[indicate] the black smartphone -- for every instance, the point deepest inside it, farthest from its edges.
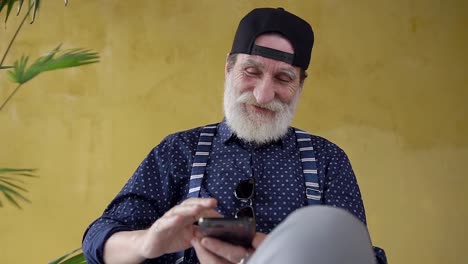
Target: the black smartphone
(237, 231)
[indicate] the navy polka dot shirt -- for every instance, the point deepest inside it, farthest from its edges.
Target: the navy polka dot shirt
(161, 182)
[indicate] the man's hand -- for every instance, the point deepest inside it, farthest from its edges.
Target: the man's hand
(170, 233)
(213, 251)
(174, 230)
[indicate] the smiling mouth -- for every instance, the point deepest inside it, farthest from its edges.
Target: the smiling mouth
(259, 110)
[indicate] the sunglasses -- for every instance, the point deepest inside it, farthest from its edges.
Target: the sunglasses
(245, 192)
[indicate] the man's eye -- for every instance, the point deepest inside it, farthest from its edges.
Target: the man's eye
(284, 78)
(251, 70)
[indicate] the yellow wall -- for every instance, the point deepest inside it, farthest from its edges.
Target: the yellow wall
(388, 83)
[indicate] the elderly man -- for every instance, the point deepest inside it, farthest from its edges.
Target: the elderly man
(194, 173)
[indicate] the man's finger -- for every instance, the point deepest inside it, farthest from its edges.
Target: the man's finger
(258, 239)
(232, 253)
(204, 255)
(206, 202)
(167, 223)
(210, 213)
(195, 204)
(191, 215)
(190, 209)
(186, 210)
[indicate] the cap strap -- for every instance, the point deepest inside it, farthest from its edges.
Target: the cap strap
(273, 54)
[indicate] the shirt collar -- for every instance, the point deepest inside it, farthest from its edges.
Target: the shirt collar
(225, 132)
(227, 135)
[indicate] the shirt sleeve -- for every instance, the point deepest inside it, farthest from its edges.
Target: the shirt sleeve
(144, 198)
(341, 188)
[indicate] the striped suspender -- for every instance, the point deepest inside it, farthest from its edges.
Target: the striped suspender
(309, 167)
(198, 171)
(202, 154)
(200, 160)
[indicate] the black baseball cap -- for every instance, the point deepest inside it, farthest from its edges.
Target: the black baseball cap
(275, 20)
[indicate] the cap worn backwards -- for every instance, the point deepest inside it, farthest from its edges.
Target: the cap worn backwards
(275, 20)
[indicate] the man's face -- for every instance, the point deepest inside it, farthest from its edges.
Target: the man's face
(261, 94)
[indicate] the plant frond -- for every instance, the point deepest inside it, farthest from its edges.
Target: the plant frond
(11, 179)
(4, 3)
(10, 191)
(12, 195)
(36, 7)
(33, 4)
(49, 62)
(9, 4)
(67, 259)
(11, 187)
(20, 4)
(15, 170)
(12, 200)
(7, 182)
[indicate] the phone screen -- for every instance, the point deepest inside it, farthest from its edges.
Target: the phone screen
(237, 231)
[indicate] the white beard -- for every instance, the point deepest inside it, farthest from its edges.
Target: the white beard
(256, 127)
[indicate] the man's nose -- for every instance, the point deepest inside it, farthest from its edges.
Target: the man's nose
(264, 92)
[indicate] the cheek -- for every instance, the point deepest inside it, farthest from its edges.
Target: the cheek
(286, 94)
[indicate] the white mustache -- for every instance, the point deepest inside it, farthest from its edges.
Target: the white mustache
(248, 98)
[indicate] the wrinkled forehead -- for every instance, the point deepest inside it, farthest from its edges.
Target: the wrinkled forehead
(266, 64)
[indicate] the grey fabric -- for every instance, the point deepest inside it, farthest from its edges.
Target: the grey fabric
(317, 235)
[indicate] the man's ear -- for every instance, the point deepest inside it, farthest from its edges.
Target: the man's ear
(226, 66)
(301, 87)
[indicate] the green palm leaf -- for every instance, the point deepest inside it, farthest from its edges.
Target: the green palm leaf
(9, 4)
(67, 59)
(11, 184)
(33, 4)
(67, 259)
(15, 171)
(36, 7)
